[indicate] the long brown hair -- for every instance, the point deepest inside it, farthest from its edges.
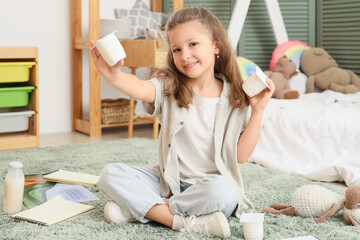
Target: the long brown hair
(177, 86)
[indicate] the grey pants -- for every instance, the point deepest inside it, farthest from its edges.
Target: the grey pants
(138, 189)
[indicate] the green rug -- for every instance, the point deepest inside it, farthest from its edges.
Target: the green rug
(263, 187)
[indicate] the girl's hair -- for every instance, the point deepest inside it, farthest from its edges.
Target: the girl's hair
(177, 86)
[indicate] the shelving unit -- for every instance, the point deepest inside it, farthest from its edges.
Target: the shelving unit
(29, 138)
(151, 54)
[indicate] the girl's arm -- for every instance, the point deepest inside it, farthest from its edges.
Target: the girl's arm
(249, 137)
(126, 83)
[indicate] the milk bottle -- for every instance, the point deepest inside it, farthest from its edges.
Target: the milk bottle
(13, 188)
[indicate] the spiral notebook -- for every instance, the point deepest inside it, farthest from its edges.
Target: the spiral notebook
(51, 212)
(70, 177)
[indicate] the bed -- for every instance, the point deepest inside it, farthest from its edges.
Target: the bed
(316, 137)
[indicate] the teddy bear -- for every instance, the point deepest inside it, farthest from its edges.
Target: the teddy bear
(323, 72)
(320, 202)
(283, 70)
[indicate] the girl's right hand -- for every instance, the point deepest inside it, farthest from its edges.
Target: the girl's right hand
(109, 73)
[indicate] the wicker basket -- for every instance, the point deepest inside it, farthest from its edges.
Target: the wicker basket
(115, 110)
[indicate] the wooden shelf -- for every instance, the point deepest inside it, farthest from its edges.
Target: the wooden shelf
(29, 138)
(140, 53)
(18, 140)
(136, 122)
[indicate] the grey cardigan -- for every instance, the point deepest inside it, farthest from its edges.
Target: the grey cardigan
(229, 124)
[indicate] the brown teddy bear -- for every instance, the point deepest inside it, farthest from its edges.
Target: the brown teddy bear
(317, 201)
(282, 72)
(323, 72)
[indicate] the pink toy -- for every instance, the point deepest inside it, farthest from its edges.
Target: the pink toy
(291, 49)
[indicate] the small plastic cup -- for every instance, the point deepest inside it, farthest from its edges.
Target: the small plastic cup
(253, 225)
(253, 85)
(110, 49)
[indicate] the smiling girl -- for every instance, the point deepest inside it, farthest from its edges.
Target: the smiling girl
(204, 134)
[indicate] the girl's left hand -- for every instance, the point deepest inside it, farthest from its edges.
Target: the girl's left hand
(259, 101)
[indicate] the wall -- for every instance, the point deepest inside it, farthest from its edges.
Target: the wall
(46, 25)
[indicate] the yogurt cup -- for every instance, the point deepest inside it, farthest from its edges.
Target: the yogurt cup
(253, 225)
(255, 83)
(110, 49)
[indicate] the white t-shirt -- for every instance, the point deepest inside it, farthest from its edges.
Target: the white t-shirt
(195, 141)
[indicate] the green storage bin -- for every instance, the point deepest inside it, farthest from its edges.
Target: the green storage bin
(15, 96)
(15, 71)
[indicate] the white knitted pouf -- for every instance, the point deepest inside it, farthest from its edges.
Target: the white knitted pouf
(315, 201)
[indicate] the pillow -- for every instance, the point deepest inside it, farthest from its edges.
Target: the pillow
(291, 49)
(142, 18)
(246, 67)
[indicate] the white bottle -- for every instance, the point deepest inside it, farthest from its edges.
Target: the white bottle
(13, 188)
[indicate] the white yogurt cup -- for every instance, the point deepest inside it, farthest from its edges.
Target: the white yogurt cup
(253, 225)
(110, 49)
(255, 83)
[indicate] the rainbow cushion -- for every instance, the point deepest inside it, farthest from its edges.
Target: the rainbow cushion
(246, 66)
(292, 49)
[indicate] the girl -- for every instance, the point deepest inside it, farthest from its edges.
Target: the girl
(202, 109)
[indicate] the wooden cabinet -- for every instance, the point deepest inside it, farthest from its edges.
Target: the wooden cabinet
(140, 53)
(29, 138)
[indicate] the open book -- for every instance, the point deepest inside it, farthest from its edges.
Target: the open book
(35, 188)
(69, 177)
(53, 211)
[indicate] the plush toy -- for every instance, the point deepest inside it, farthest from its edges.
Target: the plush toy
(283, 70)
(352, 205)
(323, 72)
(318, 201)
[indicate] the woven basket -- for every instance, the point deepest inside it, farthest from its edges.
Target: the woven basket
(115, 110)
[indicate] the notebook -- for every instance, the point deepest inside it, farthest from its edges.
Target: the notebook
(69, 177)
(54, 211)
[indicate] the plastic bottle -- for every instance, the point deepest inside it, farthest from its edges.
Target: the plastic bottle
(13, 188)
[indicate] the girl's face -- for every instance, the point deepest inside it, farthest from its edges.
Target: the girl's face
(193, 50)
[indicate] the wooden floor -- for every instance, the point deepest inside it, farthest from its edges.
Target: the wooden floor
(66, 138)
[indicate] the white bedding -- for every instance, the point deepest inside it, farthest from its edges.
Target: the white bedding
(316, 137)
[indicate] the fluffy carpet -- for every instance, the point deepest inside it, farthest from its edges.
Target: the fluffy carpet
(263, 186)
